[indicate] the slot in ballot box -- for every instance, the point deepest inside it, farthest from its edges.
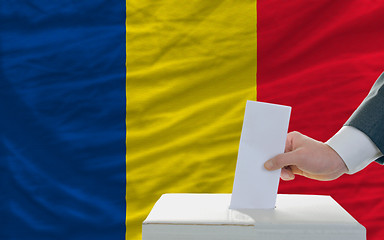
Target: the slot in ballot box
(208, 217)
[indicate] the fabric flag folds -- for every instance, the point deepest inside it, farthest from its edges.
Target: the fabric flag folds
(322, 58)
(191, 66)
(107, 105)
(62, 119)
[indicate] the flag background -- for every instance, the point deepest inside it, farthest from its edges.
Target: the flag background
(322, 58)
(62, 119)
(190, 66)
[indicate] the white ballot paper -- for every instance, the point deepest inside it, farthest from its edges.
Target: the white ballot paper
(263, 136)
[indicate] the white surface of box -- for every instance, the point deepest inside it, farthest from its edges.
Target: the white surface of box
(208, 217)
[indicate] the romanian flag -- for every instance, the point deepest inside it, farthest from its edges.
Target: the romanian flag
(107, 105)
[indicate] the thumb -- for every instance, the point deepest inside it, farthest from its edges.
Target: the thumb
(282, 160)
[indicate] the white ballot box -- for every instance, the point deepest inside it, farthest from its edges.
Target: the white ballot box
(208, 217)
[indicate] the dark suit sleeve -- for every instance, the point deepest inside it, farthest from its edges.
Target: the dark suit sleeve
(369, 116)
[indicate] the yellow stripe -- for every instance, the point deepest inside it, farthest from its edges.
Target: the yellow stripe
(191, 66)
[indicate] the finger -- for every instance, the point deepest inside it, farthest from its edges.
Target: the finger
(296, 170)
(282, 160)
(289, 141)
(319, 177)
(288, 144)
(286, 174)
(292, 139)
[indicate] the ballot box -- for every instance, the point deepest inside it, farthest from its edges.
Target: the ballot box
(208, 217)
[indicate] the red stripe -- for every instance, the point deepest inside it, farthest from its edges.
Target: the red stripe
(321, 58)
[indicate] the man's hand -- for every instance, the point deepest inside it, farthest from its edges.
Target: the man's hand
(307, 157)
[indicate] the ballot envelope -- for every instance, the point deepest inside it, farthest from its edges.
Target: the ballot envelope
(208, 217)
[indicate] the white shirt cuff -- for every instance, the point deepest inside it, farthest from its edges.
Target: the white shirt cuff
(354, 147)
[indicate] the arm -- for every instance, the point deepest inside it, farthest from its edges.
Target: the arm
(313, 159)
(369, 116)
(355, 148)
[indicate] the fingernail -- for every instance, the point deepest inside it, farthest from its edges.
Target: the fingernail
(268, 165)
(285, 175)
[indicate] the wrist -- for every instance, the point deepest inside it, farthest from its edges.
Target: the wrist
(339, 166)
(354, 147)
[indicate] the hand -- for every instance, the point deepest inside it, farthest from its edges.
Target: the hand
(307, 157)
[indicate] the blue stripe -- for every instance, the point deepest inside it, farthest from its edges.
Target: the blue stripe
(62, 119)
